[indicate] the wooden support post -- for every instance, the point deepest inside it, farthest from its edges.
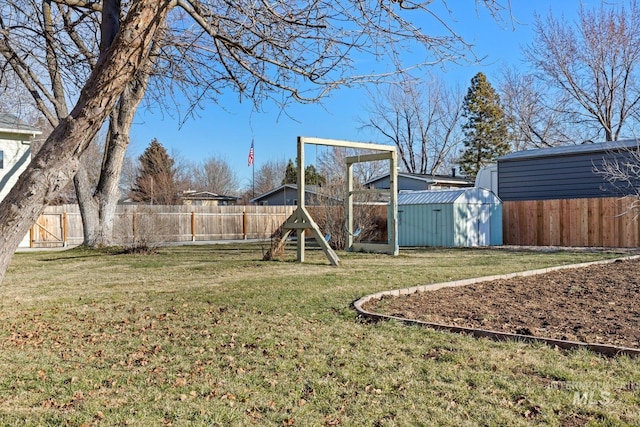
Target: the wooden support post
(193, 226)
(392, 222)
(245, 224)
(348, 208)
(133, 225)
(65, 225)
(300, 221)
(301, 198)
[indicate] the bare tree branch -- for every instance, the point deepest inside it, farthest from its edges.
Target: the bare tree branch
(595, 62)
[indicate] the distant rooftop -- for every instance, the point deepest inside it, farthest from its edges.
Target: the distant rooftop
(424, 177)
(11, 123)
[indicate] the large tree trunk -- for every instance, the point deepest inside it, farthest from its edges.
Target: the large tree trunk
(58, 160)
(98, 207)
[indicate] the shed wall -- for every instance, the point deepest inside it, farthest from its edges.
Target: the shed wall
(449, 218)
(426, 225)
(477, 224)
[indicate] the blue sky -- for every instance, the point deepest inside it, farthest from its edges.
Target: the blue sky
(228, 132)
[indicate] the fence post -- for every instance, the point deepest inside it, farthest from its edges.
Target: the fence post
(133, 224)
(31, 236)
(244, 223)
(193, 226)
(64, 230)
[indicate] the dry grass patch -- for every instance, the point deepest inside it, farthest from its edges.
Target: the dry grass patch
(211, 335)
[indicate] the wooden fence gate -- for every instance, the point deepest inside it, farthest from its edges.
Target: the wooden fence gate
(49, 231)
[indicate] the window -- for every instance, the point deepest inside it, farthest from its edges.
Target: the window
(1, 159)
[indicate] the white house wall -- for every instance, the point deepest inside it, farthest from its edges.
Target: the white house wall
(16, 157)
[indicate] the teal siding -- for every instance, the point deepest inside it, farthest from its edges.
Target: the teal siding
(496, 225)
(426, 225)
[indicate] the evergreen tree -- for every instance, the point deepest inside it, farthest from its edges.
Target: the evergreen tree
(290, 174)
(155, 181)
(311, 175)
(485, 132)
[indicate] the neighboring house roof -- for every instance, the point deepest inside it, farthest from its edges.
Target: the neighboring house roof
(309, 189)
(430, 179)
(11, 124)
(568, 150)
(207, 195)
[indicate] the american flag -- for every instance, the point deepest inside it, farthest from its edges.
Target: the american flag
(251, 154)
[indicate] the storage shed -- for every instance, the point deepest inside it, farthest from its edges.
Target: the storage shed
(462, 217)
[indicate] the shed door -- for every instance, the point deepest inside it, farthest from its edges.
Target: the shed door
(437, 227)
(481, 221)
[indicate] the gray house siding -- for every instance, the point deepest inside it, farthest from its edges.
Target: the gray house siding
(420, 182)
(287, 195)
(404, 183)
(283, 197)
(561, 173)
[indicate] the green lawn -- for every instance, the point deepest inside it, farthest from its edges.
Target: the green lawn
(212, 335)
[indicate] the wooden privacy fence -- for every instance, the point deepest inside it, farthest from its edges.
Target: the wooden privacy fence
(602, 222)
(62, 225)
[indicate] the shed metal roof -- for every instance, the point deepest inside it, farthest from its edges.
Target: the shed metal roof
(446, 196)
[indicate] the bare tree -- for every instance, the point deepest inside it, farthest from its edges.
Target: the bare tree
(421, 119)
(534, 114)
(216, 175)
(51, 50)
(129, 174)
(593, 64)
(332, 163)
(16, 100)
(268, 176)
(59, 158)
(621, 170)
(298, 51)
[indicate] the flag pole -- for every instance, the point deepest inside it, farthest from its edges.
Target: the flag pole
(253, 170)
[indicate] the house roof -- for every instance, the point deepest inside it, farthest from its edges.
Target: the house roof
(206, 195)
(444, 196)
(431, 179)
(12, 124)
(568, 150)
(309, 189)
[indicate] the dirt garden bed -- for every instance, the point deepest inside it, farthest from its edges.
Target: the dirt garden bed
(595, 304)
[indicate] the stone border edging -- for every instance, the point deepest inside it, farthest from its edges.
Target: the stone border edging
(609, 350)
